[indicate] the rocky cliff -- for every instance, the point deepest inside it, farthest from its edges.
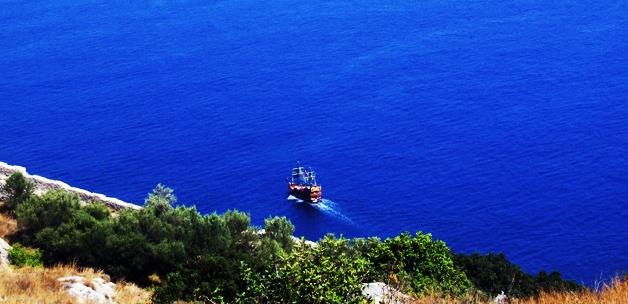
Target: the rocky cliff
(43, 184)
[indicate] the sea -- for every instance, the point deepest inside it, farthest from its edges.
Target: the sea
(496, 126)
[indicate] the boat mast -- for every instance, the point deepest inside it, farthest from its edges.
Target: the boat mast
(302, 175)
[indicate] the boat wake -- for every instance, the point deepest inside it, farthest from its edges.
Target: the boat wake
(329, 208)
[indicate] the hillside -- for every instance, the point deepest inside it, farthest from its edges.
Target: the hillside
(42, 185)
(46, 285)
(179, 254)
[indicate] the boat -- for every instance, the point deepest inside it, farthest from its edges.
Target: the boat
(302, 185)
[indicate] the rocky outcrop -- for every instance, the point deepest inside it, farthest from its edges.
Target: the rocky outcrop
(95, 290)
(501, 299)
(4, 254)
(381, 293)
(43, 184)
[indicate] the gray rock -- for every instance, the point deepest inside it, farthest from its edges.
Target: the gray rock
(501, 299)
(4, 253)
(95, 291)
(381, 293)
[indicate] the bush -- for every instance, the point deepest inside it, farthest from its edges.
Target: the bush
(199, 256)
(18, 189)
(553, 282)
(416, 263)
(22, 256)
(49, 210)
(212, 270)
(222, 258)
(326, 273)
(493, 273)
(280, 229)
(237, 222)
(161, 198)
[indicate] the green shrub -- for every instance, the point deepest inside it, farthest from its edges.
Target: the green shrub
(162, 198)
(204, 278)
(237, 222)
(211, 270)
(21, 256)
(222, 258)
(553, 282)
(493, 273)
(416, 263)
(326, 273)
(49, 210)
(280, 229)
(18, 189)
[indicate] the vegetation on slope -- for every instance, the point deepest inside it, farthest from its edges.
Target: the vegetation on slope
(8, 225)
(40, 285)
(21, 256)
(184, 255)
(615, 292)
(18, 189)
(493, 274)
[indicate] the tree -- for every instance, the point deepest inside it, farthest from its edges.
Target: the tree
(494, 273)
(49, 210)
(416, 261)
(162, 193)
(237, 222)
(18, 189)
(222, 258)
(280, 229)
(161, 197)
(325, 273)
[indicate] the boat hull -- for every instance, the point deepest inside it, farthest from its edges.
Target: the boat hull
(306, 193)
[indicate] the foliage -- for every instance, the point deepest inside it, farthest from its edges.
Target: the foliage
(161, 198)
(280, 229)
(217, 276)
(325, 273)
(50, 210)
(206, 278)
(493, 273)
(423, 264)
(611, 292)
(553, 282)
(18, 189)
(192, 257)
(21, 256)
(237, 222)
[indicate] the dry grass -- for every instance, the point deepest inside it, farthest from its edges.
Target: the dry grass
(614, 293)
(130, 293)
(8, 225)
(40, 285)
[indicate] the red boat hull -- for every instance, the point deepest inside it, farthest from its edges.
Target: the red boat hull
(307, 193)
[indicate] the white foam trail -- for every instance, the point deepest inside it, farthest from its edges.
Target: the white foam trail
(328, 207)
(293, 198)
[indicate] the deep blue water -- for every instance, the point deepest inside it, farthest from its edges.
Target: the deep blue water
(493, 125)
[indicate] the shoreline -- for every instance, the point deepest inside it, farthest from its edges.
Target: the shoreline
(43, 184)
